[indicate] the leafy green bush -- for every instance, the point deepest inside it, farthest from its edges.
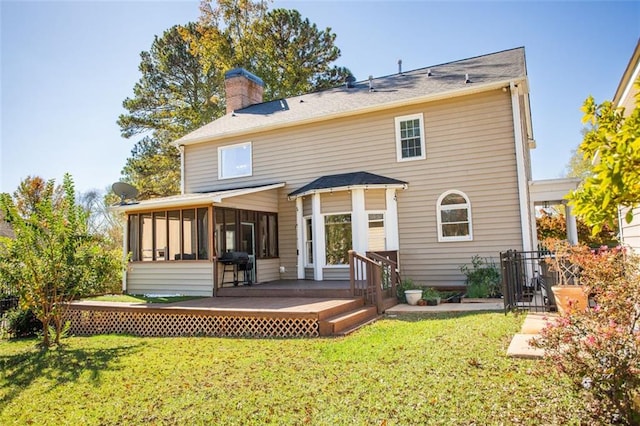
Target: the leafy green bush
(406, 284)
(21, 323)
(430, 293)
(598, 349)
(483, 278)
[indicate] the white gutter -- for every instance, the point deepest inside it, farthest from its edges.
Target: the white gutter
(349, 188)
(525, 217)
(181, 149)
(468, 90)
(192, 199)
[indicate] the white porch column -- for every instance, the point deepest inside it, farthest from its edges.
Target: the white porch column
(523, 188)
(359, 222)
(392, 239)
(300, 236)
(181, 149)
(317, 223)
(572, 227)
(125, 240)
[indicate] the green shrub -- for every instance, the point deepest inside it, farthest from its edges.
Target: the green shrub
(598, 349)
(21, 323)
(430, 293)
(483, 278)
(406, 284)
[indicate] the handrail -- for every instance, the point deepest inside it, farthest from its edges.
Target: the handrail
(391, 274)
(372, 278)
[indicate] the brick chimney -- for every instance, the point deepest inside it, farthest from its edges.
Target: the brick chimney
(242, 89)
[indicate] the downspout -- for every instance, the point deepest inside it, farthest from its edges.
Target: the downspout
(523, 193)
(125, 254)
(181, 149)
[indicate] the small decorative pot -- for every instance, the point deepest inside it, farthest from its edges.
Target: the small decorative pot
(413, 296)
(433, 302)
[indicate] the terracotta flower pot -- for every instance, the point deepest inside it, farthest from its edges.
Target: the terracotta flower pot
(570, 297)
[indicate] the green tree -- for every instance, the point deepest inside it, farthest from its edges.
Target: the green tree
(154, 167)
(612, 145)
(182, 82)
(31, 191)
(579, 166)
(552, 224)
(290, 54)
(173, 96)
(53, 259)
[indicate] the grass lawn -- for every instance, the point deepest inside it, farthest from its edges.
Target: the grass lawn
(440, 370)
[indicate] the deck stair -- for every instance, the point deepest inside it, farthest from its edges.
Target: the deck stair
(346, 319)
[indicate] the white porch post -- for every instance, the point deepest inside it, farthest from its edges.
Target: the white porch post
(359, 222)
(317, 223)
(392, 239)
(125, 240)
(523, 189)
(181, 149)
(300, 235)
(572, 227)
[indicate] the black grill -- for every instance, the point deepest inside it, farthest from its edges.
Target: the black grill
(235, 261)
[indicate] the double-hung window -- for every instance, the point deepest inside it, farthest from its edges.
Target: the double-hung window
(410, 141)
(337, 229)
(454, 217)
(234, 161)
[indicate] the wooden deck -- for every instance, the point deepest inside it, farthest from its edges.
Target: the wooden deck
(224, 317)
(296, 308)
(289, 288)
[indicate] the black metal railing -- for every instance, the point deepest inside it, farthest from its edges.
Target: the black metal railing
(527, 280)
(8, 297)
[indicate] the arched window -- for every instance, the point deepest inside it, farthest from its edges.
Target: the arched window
(454, 217)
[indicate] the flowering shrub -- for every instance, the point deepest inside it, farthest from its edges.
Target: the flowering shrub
(599, 349)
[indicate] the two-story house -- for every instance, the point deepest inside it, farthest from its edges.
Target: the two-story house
(432, 165)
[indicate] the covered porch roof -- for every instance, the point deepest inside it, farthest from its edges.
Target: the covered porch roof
(552, 191)
(347, 181)
(186, 200)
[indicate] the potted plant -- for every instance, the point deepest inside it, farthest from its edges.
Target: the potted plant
(431, 296)
(408, 292)
(568, 293)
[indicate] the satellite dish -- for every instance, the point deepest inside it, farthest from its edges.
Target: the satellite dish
(124, 191)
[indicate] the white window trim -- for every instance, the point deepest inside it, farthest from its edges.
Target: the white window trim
(237, 145)
(324, 215)
(467, 205)
(384, 225)
(305, 239)
(398, 120)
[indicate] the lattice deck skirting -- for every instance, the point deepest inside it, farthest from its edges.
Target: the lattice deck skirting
(140, 322)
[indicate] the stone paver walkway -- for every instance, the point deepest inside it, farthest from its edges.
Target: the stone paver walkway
(531, 327)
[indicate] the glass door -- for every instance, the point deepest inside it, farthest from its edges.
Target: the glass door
(248, 244)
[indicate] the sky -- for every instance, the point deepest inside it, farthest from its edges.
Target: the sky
(66, 67)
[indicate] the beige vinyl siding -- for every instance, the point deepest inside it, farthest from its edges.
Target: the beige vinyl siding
(264, 201)
(287, 238)
(335, 202)
(267, 270)
(469, 147)
(631, 231)
(307, 210)
(335, 274)
(308, 273)
(185, 278)
(375, 199)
